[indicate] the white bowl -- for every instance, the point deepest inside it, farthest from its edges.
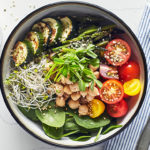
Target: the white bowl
(78, 9)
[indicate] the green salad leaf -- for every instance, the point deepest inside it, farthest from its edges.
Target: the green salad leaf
(71, 125)
(110, 128)
(55, 133)
(54, 116)
(98, 134)
(71, 132)
(29, 113)
(80, 137)
(90, 123)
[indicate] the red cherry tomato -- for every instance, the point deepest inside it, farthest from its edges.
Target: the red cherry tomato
(118, 52)
(108, 72)
(112, 91)
(117, 110)
(129, 71)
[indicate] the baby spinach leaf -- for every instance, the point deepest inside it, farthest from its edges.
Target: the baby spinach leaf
(110, 128)
(90, 123)
(29, 113)
(70, 126)
(54, 117)
(55, 133)
(80, 137)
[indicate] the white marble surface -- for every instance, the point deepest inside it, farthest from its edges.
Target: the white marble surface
(12, 136)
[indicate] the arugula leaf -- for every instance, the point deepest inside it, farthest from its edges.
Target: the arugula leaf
(92, 85)
(91, 54)
(99, 83)
(81, 85)
(55, 133)
(94, 62)
(87, 71)
(64, 71)
(59, 61)
(84, 60)
(50, 71)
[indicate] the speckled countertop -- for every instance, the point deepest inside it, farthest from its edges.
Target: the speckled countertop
(12, 136)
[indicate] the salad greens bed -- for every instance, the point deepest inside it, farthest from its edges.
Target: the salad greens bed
(58, 123)
(74, 46)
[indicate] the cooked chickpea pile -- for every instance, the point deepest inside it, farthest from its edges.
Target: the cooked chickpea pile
(69, 92)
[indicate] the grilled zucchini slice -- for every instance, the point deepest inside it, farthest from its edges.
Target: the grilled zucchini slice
(56, 28)
(67, 28)
(37, 41)
(44, 29)
(21, 53)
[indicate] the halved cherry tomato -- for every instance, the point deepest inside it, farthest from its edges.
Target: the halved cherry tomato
(117, 110)
(112, 91)
(132, 87)
(129, 71)
(118, 52)
(108, 72)
(97, 107)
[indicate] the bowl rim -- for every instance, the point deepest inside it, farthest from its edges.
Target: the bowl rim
(48, 6)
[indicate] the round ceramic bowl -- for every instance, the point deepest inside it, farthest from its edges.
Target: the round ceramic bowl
(73, 9)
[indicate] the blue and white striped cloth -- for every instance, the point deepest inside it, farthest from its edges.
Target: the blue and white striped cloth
(128, 139)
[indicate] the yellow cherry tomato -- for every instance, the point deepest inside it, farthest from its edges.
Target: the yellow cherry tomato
(132, 87)
(97, 107)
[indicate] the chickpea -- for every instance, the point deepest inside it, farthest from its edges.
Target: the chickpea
(89, 97)
(93, 68)
(75, 96)
(59, 89)
(67, 90)
(97, 74)
(65, 80)
(83, 100)
(73, 104)
(74, 87)
(66, 96)
(60, 102)
(84, 93)
(83, 110)
(93, 92)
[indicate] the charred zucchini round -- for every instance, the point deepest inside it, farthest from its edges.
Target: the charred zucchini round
(37, 41)
(21, 53)
(68, 29)
(44, 29)
(56, 28)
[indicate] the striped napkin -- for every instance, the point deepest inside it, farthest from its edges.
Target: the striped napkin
(128, 139)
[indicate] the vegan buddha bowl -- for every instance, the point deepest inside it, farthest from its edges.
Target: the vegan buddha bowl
(73, 78)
